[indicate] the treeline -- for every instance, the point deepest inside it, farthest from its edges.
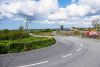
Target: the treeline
(40, 31)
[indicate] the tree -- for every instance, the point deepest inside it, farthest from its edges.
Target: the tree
(96, 24)
(73, 27)
(98, 27)
(62, 27)
(5, 31)
(21, 28)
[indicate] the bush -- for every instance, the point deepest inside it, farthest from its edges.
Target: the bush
(5, 31)
(76, 32)
(3, 48)
(13, 35)
(8, 46)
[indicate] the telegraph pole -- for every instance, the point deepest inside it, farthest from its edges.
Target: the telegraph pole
(0, 20)
(27, 21)
(0, 17)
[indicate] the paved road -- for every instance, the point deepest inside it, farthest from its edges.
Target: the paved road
(67, 52)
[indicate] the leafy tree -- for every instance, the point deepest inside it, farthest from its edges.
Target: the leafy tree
(21, 28)
(5, 31)
(62, 27)
(96, 24)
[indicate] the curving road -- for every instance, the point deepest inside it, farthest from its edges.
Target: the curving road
(67, 52)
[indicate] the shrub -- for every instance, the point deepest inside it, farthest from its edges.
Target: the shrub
(76, 32)
(8, 46)
(3, 48)
(5, 31)
(13, 35)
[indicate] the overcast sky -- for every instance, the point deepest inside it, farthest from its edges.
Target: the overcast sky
(48, 13)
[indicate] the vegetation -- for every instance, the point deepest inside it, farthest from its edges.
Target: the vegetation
(21, 28)
(46, 32)
(12, 41)
(11, 46)
(96, 24)
(61, 27)
(76, 32)
(12, 35)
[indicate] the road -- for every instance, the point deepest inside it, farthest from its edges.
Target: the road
(69, 51)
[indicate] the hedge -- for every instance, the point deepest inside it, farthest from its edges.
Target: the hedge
(26, 44)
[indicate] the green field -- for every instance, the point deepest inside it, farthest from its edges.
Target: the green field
(46, 32)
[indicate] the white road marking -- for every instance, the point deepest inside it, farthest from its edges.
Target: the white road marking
(34, 64)
(81, 46)
(79, 49)
(66, 55)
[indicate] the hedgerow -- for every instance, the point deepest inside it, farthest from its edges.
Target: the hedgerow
(26, 44)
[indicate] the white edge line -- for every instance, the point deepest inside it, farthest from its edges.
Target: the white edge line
(79, 49)
(66, 55)
(34, 64)
(81, 45)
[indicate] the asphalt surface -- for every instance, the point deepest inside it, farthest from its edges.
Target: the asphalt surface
(67, 52)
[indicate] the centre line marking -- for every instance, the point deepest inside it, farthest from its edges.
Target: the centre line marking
(34, 64)
(66, 55)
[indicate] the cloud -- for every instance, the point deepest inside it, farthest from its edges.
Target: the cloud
(15, 7)
(44, 8)
(47, 6)
(48, 11)
(58, 16)
(77, 10)
(94, 4)
(71, 13)
(30, 8)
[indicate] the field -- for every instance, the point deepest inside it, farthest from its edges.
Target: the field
(46, 32)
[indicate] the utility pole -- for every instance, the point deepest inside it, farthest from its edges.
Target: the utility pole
(0, 17)
(26, 27)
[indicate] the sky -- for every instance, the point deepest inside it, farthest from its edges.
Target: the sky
(44, 14)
